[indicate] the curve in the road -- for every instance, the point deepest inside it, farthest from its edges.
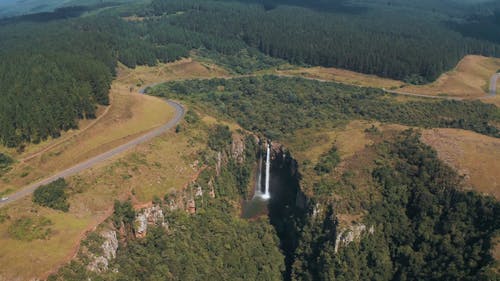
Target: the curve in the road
(179, 113)
(493, 83)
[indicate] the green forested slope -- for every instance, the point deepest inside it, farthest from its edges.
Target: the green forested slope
(212, 245)
(209, 246)
(278, 106)
(54, 73)
(425, 227)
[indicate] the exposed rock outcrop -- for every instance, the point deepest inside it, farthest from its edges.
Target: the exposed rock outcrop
(110, 245)
(350, 234)
(191, 206)
(212, 189)
(100, 263)
(218, 166)
(238, 149)
(149, 216)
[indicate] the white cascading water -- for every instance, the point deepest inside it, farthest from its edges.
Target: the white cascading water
(267, 194)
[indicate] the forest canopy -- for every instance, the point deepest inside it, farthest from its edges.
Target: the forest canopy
(278, 106)
(54, 73)
(425, 227)
(382, 39)
(57, 67)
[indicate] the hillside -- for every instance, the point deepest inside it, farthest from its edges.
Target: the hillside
(470, 79)
(473, 156)
(264, 140)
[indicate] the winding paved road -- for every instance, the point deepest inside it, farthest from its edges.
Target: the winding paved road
(179, 114)
(493, 83)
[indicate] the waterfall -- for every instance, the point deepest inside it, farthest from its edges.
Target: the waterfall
(258, 185)
(267, 194)
(259, 193)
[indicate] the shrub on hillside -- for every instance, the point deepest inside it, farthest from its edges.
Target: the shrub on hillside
(5, 162)
(327, 162)
(219, 137)
(52, 195)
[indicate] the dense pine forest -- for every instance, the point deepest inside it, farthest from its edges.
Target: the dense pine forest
(57, 66)
(53, 74)
(389, 42)
(44, 91)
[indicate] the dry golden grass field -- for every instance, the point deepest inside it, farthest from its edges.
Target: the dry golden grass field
(354, 146)
(470, 79)
(310, 144)
(473, 155)
(342, 76)
(350, 140)
(165, 164)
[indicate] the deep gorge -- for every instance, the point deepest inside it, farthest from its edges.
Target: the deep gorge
(287, 208)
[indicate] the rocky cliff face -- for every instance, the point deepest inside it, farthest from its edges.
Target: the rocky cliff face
(149, 216)
(350, 234)
(281, 157)
(186, 199)
(100, 263)
(238, 149)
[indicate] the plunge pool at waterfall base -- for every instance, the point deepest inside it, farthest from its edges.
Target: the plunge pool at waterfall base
(283, 186)
(283, 189)
(254, 208)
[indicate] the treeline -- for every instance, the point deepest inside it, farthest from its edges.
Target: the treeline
(54, 73)
(277, 106)
(425, 228)
(379, 39)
